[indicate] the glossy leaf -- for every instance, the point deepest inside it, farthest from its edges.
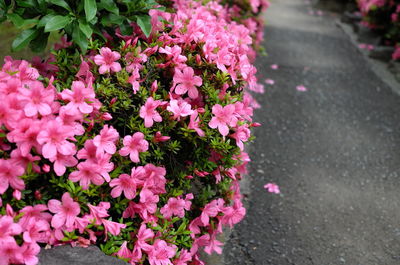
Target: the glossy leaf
(56, 23)
(24, 38)
(90, 9)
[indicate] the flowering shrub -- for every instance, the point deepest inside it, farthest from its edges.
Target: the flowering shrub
(138, 146)
(383, 16)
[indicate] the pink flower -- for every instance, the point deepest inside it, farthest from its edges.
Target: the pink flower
(9, 252)
(88, 172)
(213, 245)
(36, 231)
(155, 178)
(143, 235)
(158, 137)
(107, 61)
(175, 206)
(223, 116)
(25, 135)
(242, 134)
(133, 145)
(195, 122)
(301, 88)
(61, 162)
(54, 137)
(124, 183)
(274, 66)
(211, 210)
(10, 176)
(65, 211)
(124, 251)
(273, 188)
(36, 212)
(37, 99)
(28, 254)
(179, 109)
(233, 214)
(106, 140)
(113, 228)
(8, 229)
(161, 253)
(148, 112)
(186, 81)
(174, 53)
(79, 96)
(97, 213)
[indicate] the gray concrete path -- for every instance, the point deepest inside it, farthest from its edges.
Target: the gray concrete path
(334, 150)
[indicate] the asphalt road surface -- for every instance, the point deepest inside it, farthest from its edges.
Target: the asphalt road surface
(334, 150)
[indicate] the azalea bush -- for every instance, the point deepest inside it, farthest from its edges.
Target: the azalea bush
(136, 146)
(383, 16)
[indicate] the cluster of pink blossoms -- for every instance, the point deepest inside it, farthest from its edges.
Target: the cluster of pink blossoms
(383, 15)
(41, 131)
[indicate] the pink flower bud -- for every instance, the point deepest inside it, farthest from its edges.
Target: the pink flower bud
(17, 195)
(46, 168)
(255, 124)
(189, 176)
(112, 102)
(106, 116)
(154, 87)
(201, 110)
(38, 195)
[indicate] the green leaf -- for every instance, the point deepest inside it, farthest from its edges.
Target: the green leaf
(112, 19)
(24, 38)
(126, 29)
(40, 42)
(61, 3)
(144, 22)
(56, 23)
(80, 38)
(43, 21)
(20, 22)
(26, 3)
(90, 9)
(109, 5)
(86, 29)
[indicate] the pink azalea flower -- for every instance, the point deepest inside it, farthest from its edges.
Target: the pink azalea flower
(233, 214)
(194, 123)
(37, 99)
(155, 178)
(144, 234)
(133, 145)
(36, 231)
(10, 176)
(148, 112)
(65, 211)
(97, 213)
(113, 228)
(174, 53)
(54, 137)
(186, 81)
(25, 135)
(242, 134)
(107, 61)
(149, 200)
(211, 210)
(61, 162)
(184, 258)
(213, 245)
(10, 252)
(88, 172)
(124, 183)
(223, 116)
(179, 109)
(174, 206)
(301, 88)
(79, 96)
(36, 212)
(161, 253)
(23, 161)
(28, 254)
(273, 188)
(106, 140)
(8, 229)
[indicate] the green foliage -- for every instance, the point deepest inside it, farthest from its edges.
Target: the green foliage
(80, 20)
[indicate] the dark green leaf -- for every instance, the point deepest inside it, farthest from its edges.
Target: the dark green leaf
(80, 39)
(90, 9)
(40, 42)
(86, 29)
(61, 3)
(18, 21)
(109, 5)
(26, 3)
(43, 21)
(144, 22)
(112, 19)
(24, 38)
(56, 23)
(126, 29)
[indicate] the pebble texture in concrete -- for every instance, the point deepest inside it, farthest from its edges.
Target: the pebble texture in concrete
(334, 150)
